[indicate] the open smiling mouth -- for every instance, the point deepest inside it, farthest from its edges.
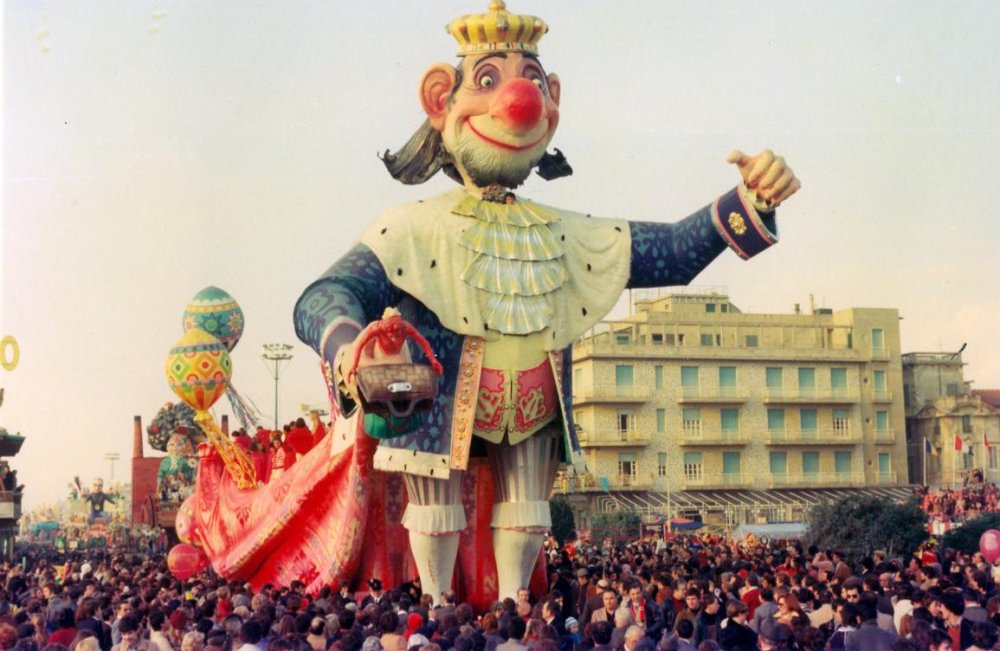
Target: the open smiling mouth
(504, 145)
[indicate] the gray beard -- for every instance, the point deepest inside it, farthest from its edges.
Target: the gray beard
(486, 166)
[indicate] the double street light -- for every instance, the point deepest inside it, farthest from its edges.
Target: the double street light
(276, 358)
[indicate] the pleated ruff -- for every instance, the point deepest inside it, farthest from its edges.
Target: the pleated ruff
(516, 277)
(519, 213)
(435, 505)
(508, 242)
(518, 262)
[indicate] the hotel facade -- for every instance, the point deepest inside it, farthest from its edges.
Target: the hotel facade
(691, 406)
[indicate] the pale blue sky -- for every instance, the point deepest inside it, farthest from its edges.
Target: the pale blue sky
(154, 148)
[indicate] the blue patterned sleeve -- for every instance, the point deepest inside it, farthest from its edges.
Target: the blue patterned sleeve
(350, 295)
(673, 254)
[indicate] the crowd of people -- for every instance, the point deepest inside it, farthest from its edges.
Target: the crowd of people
(960, 504)
(688, 593)
(275, 451)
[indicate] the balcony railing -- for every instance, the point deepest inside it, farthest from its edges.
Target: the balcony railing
(886, 478)
(821, 436)
(590, 483)
(880, 354)
(712, 394)
(613, 394)
(614, 438)
(881, 395)
(718, 480)
(885, 436)
(810, 395)
(791, 480)
(712, 436)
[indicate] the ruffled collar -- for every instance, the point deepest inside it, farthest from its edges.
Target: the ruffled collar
(517, 262)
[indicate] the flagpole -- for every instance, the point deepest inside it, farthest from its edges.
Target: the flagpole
(926, 483)
(954, 465)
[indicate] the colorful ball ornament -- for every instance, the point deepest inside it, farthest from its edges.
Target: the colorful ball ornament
(184, 523)
(217, 313)
(989, 545)
(198, 369)
(184, 561)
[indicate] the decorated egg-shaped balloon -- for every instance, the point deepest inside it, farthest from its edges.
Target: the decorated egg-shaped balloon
(184, 561)
(198, 369)
(217, 313)
(184, 524)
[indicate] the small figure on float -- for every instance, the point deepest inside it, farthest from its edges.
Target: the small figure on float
(501, 287)
(175, 477)
(96, 497)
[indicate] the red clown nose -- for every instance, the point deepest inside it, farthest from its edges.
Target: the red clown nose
(519, 105)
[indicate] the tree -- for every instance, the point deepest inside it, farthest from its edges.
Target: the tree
(563, 524)
(966, 538)
(617, 526)
(860, 524)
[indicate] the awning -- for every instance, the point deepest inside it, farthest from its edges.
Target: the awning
(720, 500)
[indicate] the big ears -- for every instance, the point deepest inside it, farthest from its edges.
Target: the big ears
(435, 92)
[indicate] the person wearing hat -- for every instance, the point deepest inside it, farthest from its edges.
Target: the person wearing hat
(774, 636)
(375, 593)
(585, 589)
(503, 286)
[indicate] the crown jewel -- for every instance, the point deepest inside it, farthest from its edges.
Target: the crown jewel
(497, 30)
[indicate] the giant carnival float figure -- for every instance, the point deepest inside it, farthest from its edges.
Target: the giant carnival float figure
(497, 288)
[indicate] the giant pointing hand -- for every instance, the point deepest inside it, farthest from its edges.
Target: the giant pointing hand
(767, 175)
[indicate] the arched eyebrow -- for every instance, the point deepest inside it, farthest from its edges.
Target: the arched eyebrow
(502, 55)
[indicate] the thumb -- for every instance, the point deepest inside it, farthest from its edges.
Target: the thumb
(738, 157)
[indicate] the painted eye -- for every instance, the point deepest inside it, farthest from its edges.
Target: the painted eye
(540, 83)
(487, 81)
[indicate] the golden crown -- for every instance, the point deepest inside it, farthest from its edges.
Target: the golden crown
(498, 30)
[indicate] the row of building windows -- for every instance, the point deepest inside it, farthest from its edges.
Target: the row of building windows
(732, 463)
(965, 424)
(773, 377)
(714, 339)
(729, 420)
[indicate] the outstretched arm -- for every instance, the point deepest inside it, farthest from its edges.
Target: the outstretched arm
(742, 219)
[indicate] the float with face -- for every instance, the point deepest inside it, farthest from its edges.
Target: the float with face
(499, 287)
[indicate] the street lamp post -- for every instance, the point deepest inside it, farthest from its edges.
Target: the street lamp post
(112, 457)
(276, 357)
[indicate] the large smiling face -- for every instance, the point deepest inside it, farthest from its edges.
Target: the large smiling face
(498, 121)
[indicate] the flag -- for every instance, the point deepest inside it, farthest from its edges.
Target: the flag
(959, 444)
(928, 448)
(986, 442)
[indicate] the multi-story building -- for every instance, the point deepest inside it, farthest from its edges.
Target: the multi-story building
(691, 396)
(951, 429)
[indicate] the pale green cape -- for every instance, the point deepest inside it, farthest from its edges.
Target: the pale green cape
(530, 269)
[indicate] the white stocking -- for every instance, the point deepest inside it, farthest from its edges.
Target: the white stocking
(434, 517)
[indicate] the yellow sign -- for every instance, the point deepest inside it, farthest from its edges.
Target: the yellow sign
(9, 353)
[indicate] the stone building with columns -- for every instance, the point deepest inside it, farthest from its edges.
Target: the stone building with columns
(953, 430)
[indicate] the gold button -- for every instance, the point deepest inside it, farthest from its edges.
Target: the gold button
(737, 223)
